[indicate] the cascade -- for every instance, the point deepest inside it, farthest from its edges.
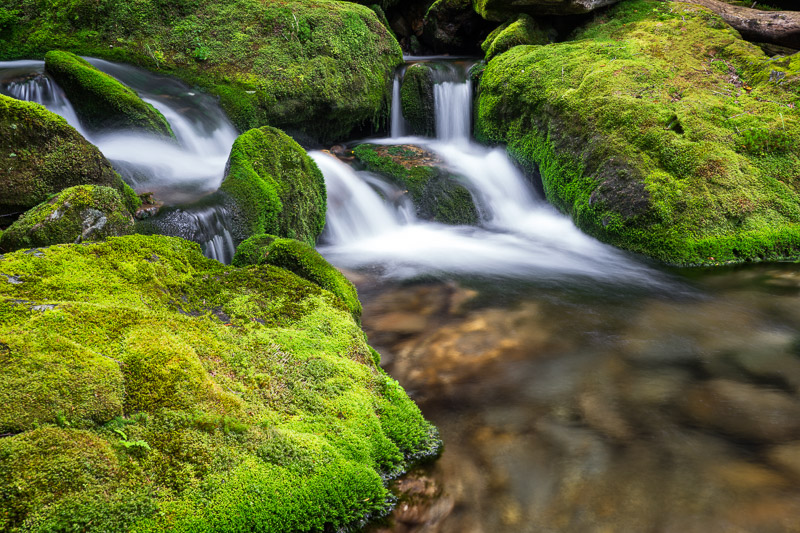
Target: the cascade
(398, 122)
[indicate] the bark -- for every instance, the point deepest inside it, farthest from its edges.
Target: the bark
(776, 27)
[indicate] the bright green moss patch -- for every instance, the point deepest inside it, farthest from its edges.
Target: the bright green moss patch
(522, 30)
(416, 99)
(201, 397)
(274, 187)
(79, 214)
(316, 69)
(436, 193)
(659, 130)
(40, 154)
(301, 259)
(101, 102)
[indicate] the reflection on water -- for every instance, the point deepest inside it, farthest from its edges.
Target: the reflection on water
(601, 412)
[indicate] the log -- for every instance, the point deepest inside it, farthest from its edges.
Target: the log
(776, 27)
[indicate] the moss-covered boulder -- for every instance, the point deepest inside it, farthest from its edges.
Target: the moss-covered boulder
(416, 99)
(83, 213)
(274, 187)
(303, 260)
(40, 155)
(521, 30)
(500, 10)
(319, 70)
(147, 388)
(658, 130)
(100, 101)
(436, 193)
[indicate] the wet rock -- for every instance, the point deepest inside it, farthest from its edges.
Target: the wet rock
(769, 356)
(744, 410)
(452, 26)
(786, 458)
(416, 98)
(600, 413)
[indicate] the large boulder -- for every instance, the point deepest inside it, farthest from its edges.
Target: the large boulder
(148, 388)
(416, 99)
(452, 26)
(100, 101)
(319, 69)
(84, 213)
(303, 260)
(501, 10)
(273, 187)
(436, 192)
(521, 30)
(660, 131)
(41, 155)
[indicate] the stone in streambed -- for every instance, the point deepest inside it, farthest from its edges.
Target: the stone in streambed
(416, 99)
(100, 101)
(436, 192)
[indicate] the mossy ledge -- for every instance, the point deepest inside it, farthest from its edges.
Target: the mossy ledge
(319, 70)
(41, 154)
(272, 186)
(303, 260)
(658, 130)
(435, 192)
(147, 388)
(101, 102)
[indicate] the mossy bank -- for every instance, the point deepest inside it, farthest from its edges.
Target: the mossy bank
(658, 129)
(147, 388)
(316, 69)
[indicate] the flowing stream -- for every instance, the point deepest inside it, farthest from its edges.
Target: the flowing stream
(578, 388)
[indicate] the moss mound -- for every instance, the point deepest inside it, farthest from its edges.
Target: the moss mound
(659, 130)
(317, 69)
(41, 155)
(416, 99)
(522, 30)
(100, 101)
(79, 214)
(202, 397)
(274, 187)
(301, 259)
(436, 193)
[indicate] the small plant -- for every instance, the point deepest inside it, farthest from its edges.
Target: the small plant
(137, 448)
(201, 52)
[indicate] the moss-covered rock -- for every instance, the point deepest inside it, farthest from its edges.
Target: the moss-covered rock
(79, 214)
(436, 193)
(522, 30)
(274, 187)
(659, 130)
(416, 99)
(301, 259)
(40, 155)
(100, 101)
(319, 70)
(201, 397)
(500, 10)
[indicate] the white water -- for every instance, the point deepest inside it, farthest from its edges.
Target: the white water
(181, 172)
(453, 105)
(398, 124)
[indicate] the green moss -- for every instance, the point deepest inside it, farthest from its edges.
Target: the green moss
(416, 99)
(301, 259)
(319, 70)
(238, 399)
(41, 155)
(523, 30)
(274, 187)
(79, 214)
(101, 102)
(436, 193)
(658, 130)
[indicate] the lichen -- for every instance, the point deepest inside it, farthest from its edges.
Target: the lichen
(206, 397)
(658, 130)
(274, 187)
(101, 102)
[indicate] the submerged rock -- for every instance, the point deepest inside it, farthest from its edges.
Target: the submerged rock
(274, 187)
(659, 131)
(100, 101)
(416, 99)
(301, 259)
(436, 193)
(40, 155)
(84, 213)
(317, 69)
(166, 391)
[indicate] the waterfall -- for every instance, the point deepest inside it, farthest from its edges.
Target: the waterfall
(453, 104)
(398, 122)
(40, 89)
